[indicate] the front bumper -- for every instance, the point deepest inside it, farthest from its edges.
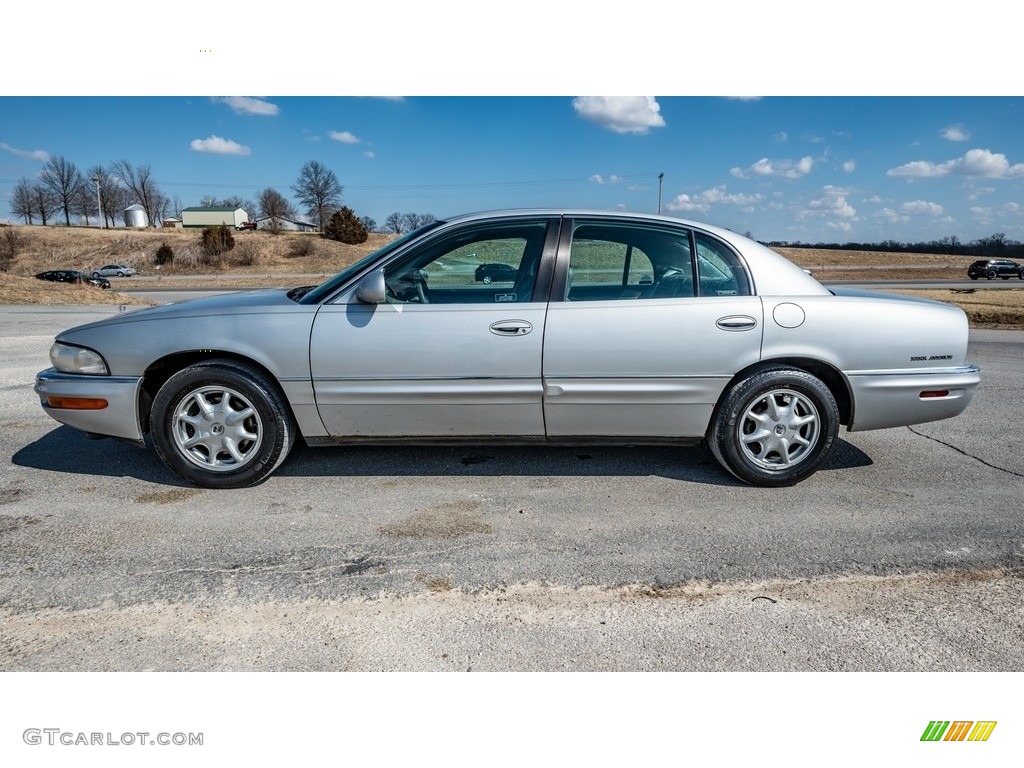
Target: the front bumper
(884, 399)
(120, 417)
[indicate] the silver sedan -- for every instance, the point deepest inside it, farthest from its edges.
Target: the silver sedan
(114, 270)
(613, 328)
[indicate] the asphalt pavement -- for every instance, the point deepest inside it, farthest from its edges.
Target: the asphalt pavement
(904, 553)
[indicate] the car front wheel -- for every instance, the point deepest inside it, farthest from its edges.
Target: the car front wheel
(775, 428)
(991, 274)
(222, 424)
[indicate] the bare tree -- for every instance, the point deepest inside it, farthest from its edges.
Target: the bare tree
(368, 223)
(109, 192)
(234, 201)
(275, 207)
(393, 223)
(410, 221)
(139, 181)
(176, 207)
(160, 205)
(318, 189)
(43, 202)
(84, 203)
(22, 203)
(64, 181)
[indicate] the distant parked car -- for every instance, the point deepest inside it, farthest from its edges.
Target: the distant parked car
(993, 268)
(496, 273)
(73, 276)
(119, 270)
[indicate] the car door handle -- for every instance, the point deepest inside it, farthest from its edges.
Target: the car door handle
(736, 323)
(511, 328)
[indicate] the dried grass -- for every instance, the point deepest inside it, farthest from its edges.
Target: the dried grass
(28, 290)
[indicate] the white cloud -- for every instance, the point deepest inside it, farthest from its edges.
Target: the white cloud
(850, 166)
(599, 179)
(955, 133)
(36, 154)
(714, 196)
(872, 199)
(218, 146)
(787, 169)
(833, 204)
(744, 98)
(369, 154)
(247, 105)
(1012, 207)
(979, 209)
(890, 215)
(345, 137)
(622, 114)
(922, 207)
(975, 162)
(842, 226)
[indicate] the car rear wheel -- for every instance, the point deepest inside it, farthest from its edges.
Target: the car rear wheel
(1020, 275)
(775, 428)
(96, 274)
(222, 424)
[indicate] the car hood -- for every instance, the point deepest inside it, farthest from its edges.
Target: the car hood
(260, 302)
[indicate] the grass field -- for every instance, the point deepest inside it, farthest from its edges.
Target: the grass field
(258, 257)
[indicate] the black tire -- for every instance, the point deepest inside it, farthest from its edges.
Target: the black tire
(1020, 275)
(96, 274)
(808, 411)
(120, 274)
(991, 274)
(487, 280)
(973, 277)
(197, 447)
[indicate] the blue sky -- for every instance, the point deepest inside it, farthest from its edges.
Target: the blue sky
(782, 168)
(867, 130)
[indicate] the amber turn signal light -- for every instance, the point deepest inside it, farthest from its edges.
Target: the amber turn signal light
(77, 403)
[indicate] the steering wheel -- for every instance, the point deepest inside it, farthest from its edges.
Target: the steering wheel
(410, 288)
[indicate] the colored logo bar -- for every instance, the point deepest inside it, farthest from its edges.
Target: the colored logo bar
(958, 730)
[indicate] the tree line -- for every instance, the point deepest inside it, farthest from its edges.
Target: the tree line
(63, 191)
(996, 246)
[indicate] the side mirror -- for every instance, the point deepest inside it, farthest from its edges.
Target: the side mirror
(371, 288)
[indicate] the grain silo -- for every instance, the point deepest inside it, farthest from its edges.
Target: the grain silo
(135, 216)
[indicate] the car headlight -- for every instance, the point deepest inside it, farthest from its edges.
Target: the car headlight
(69, 359)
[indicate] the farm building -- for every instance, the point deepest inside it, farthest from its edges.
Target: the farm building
(287, 225)
(212, 217)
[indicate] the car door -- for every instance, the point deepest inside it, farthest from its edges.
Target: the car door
(649, 325)
(445, 355)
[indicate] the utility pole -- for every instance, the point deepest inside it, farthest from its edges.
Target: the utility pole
(660, 177)
(99, 202)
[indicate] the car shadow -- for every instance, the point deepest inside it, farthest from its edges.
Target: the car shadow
(67, 450)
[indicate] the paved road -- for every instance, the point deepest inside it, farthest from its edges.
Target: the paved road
(905, 552)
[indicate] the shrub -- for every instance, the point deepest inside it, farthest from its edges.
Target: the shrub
(217, 241)
(248, 253)
(346, 228)
(9, 245)
(303, 245)
(164, 254)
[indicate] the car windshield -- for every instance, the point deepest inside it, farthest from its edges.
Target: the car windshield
(322, 291)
